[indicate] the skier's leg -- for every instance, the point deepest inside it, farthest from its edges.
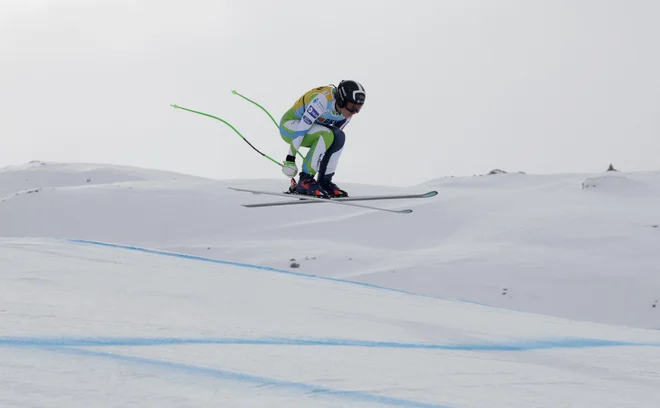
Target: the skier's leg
(317, 139)
(331, 158)
(329, 165)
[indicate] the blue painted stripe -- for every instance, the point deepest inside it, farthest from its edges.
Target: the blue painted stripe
(243, 265)
(63, 344)
(315, 390)
(519, 345)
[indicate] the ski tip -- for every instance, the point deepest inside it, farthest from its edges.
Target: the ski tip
(430, 194)
(407, 211)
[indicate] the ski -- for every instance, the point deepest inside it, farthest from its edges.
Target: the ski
(344, 199)
(324, 200)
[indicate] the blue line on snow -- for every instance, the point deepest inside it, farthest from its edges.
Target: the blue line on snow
(522, 345)
(241, 265)
(316, 390)
(63, 344)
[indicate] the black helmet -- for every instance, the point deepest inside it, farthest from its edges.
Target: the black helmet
(350, 92)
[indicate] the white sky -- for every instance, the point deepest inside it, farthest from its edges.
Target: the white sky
(453, 87)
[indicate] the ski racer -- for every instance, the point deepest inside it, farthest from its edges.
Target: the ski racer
(316, 121)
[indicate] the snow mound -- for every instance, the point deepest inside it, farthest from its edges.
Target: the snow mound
(38, 175)
(526, 242)
(626, 183)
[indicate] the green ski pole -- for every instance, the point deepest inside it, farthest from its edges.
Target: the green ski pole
(233, 128)
(262, 108)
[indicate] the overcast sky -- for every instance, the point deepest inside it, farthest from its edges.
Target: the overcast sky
(454, 87)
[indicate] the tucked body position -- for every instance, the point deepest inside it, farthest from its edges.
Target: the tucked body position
(317, 121)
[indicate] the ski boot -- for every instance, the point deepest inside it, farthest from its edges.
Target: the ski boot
(331, 188)
(308, 186)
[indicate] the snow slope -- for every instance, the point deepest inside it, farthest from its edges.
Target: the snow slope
(101, 325)
(131, 287)
(575, 246)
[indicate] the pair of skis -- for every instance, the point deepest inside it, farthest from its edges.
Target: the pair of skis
(348, 201)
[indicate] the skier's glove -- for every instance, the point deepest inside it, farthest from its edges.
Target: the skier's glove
(289, 167)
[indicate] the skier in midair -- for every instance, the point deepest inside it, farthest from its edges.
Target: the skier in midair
(316, 121)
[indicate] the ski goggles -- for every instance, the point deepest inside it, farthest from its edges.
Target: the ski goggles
(353, 107)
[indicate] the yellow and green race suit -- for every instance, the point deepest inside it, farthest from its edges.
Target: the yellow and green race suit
(314, 122)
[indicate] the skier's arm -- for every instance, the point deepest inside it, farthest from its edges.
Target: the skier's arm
(316, 107)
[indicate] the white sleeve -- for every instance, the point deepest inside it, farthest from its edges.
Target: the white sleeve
(316, 107)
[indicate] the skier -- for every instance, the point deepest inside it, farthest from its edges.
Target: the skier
(317, 120)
